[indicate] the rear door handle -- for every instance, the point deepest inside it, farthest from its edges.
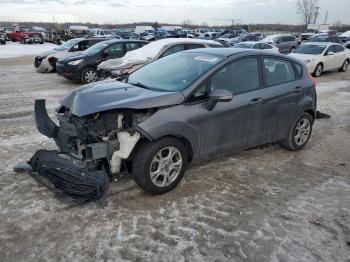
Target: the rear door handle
(256, 100)
(297, 89)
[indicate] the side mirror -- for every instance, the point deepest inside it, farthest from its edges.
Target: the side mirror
(219, 95)
(330, 53)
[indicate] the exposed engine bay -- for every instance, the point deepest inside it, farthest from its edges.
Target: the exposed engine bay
(91, 149)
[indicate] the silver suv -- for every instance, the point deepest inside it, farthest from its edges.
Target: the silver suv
(285, 43)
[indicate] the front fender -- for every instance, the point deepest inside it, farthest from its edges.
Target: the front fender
(178, 121)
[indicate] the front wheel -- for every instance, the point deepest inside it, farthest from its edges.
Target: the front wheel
(160, 165)
(345, 66)
(300, 133)
(89, 75)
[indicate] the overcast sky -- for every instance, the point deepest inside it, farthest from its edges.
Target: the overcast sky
(213, 12)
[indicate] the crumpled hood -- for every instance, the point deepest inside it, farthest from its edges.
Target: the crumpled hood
(111, 94)
(121, 63)
(64, 54)
(49, 52)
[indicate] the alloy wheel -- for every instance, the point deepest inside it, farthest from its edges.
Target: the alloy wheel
(90, 76)
(345, 65)
(166, 166)
(302, 131)
(319, 70)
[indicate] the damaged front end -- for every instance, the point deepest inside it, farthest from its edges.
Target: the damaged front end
(91, 149)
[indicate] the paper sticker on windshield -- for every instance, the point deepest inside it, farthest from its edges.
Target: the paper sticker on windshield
(204, 58)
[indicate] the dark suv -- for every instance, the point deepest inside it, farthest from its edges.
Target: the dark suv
(82, 67)
(181, 108)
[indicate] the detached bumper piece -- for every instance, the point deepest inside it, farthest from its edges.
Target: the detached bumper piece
(69, 182)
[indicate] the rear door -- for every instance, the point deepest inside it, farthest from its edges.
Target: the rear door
(330, 58)
(283, 91)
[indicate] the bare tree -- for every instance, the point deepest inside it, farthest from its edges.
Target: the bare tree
(307, 9)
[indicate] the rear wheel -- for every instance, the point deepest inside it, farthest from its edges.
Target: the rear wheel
(160, 165)
(300, 133)
(89, 75)
(345, 66)
(318, 70)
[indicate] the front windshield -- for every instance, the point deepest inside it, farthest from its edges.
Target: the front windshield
(175, 72)
(95, 48)
(67, 44)
(243, 45)
(310, 49)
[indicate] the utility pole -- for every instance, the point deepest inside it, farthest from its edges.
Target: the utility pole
(325, 19)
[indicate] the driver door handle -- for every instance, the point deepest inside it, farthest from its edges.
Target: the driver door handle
(256, 101)
(297, 89)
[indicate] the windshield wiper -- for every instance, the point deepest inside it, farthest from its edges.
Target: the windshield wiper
(140, 85)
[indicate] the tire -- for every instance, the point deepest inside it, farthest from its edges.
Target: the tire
(153, 156)
(299, 135)
(89, 75)
(345, 66)
(318, 70)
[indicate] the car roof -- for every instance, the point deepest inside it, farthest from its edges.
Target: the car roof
(321, 43)
(112, 41)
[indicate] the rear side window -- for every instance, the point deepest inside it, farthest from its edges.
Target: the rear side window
(239, 77)
(193, 46)
(338, 48)
(172, 50)
(277, 71)
(131, 46)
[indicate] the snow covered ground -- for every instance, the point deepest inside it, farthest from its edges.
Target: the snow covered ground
(15, 49)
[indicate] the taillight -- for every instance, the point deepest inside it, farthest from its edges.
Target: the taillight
(311, 78)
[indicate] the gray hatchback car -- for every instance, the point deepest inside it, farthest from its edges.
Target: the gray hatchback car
(285, 43)
(182, 108)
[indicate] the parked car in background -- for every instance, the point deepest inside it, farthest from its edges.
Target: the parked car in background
(328, 32)
(2, 38)
(257, 45)
(182, 108)
(326, 38)
(83, 67)
(284, 43)
(33, 38)
(307, 34)
(46, 62)
(209, 35)
(345, 37)
(347, 44)
(106, 33)
(244, 38)
(20, 32)
(120, 67)
(7, 30)
(224, 39)
(322, 57)
(59, 35)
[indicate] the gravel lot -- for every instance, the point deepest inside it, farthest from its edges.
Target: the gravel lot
(265, 204)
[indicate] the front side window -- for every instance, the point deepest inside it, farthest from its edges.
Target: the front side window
(278, 71)
(193, 46)
(115, 50)
(174, 73)
(238, 77)
(172, 50)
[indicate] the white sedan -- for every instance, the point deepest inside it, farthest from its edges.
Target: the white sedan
(257, 45)
(321, 57)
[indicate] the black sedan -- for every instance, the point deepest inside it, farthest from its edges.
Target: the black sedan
(82, 67)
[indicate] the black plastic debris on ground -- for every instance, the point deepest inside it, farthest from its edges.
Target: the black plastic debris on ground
(68, 182)
(320, 115)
